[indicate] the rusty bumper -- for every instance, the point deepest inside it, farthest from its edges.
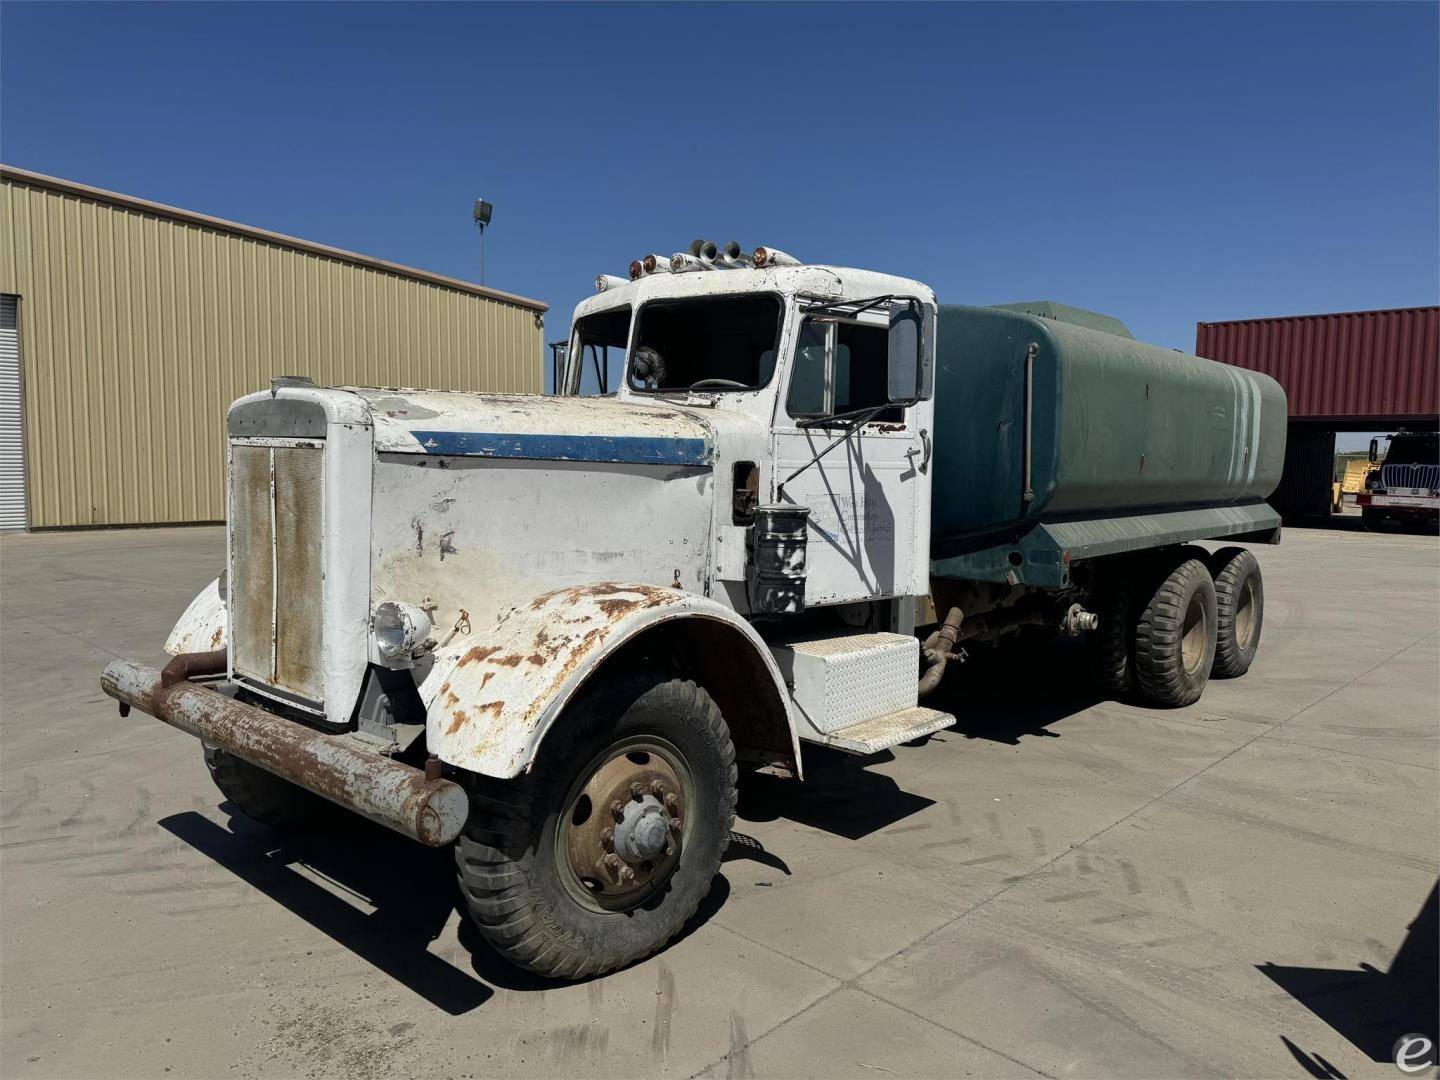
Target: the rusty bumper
(333, 766)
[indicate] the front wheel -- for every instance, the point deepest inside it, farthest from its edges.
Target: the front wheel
(260, 794)
(599, 854)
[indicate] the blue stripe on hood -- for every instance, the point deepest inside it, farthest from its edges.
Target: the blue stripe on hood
(618, 448)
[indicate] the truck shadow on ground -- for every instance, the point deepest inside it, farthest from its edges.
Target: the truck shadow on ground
(1372, 1008)
(1020, 688)
(385, 898)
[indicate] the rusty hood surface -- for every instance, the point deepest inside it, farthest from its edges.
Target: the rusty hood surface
(537, 428)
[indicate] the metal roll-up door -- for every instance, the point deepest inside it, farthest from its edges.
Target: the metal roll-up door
(12, 432)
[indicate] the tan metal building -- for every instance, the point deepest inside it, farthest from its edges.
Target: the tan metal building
(127, 328)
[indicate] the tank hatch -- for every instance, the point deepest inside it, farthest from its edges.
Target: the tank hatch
(1090, 320)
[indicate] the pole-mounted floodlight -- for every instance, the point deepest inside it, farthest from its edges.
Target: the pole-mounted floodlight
(482, 218)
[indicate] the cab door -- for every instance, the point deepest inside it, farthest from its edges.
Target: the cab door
(868, 495)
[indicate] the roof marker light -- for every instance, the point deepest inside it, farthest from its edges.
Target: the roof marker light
(766, 257)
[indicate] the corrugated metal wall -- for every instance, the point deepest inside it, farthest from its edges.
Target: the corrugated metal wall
(1304, 489)
(1365, 365)
(139, 330)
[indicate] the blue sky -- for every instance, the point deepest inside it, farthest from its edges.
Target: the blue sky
(1165, 163)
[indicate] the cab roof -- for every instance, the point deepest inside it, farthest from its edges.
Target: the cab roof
(841, 282)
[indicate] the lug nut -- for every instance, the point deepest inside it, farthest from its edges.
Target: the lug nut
(675, 824)
(672, 801)
(627, 876)
(611, 862)
(607, 839)
(636, 791)
(617, 810)
(657, 787)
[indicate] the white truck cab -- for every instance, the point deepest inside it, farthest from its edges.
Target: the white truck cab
(513, 621)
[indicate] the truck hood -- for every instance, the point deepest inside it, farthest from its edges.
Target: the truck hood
(528, 426)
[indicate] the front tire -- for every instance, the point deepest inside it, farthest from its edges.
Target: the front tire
(261, 795)
(1175, 637)
(597, 856)
(1240, 611)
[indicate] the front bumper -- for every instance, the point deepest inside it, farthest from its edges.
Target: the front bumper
(1399, 504)
(425, 808)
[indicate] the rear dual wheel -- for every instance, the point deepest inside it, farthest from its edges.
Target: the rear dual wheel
(1240, 611)
(1175, 636)
(598, 856)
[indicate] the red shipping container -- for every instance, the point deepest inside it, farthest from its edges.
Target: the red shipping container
(1380, 366)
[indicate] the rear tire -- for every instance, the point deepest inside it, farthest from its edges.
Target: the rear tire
(259, 794)
(537, 862)
(1175, 637)
(1240, 611)
(1115, 638)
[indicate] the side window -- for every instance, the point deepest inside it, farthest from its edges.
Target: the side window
(861, 355)
(839, 368)
(595, 336)
(807, 381)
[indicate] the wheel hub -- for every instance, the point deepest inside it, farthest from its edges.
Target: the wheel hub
(621, 831)
(643, 832)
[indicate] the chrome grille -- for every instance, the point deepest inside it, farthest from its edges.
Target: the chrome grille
(277, 566)
(1426, 477)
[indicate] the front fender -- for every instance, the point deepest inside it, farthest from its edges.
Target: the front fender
(496, 694)
(203, 626)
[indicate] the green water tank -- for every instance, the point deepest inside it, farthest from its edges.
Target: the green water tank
(1117, 427)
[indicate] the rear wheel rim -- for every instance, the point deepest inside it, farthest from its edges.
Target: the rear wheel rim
(623, 824)
(1246, 610)
(1194, 634)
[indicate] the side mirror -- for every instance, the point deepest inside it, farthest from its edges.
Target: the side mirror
(1374, 451)
(905, 381)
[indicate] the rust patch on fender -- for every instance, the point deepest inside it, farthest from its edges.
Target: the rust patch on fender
(216, 636)
(475, 655)
(536, 659)
(459, 720)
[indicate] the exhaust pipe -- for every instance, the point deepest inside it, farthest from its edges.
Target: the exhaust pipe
(432, 811)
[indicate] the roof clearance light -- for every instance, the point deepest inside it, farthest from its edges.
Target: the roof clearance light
(765, 257)
(637, 269)
(655, 264)
(681, 263)
(608, 281)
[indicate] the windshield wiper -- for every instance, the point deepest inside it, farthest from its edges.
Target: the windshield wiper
(853, 421)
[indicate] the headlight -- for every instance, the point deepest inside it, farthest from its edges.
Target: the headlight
(1374, 485)
(400, 629)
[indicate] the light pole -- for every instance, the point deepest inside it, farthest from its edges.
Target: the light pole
(482, 218)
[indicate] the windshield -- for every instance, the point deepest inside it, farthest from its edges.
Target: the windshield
(595, 336)
(716, 343)
(1414, 450)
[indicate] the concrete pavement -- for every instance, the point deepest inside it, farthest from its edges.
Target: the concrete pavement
(1060, 885)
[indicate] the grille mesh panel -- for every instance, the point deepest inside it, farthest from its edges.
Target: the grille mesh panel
(299, 525)
(251, 573)
(277, 573)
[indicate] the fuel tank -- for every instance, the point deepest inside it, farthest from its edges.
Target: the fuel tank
(1116, 427)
